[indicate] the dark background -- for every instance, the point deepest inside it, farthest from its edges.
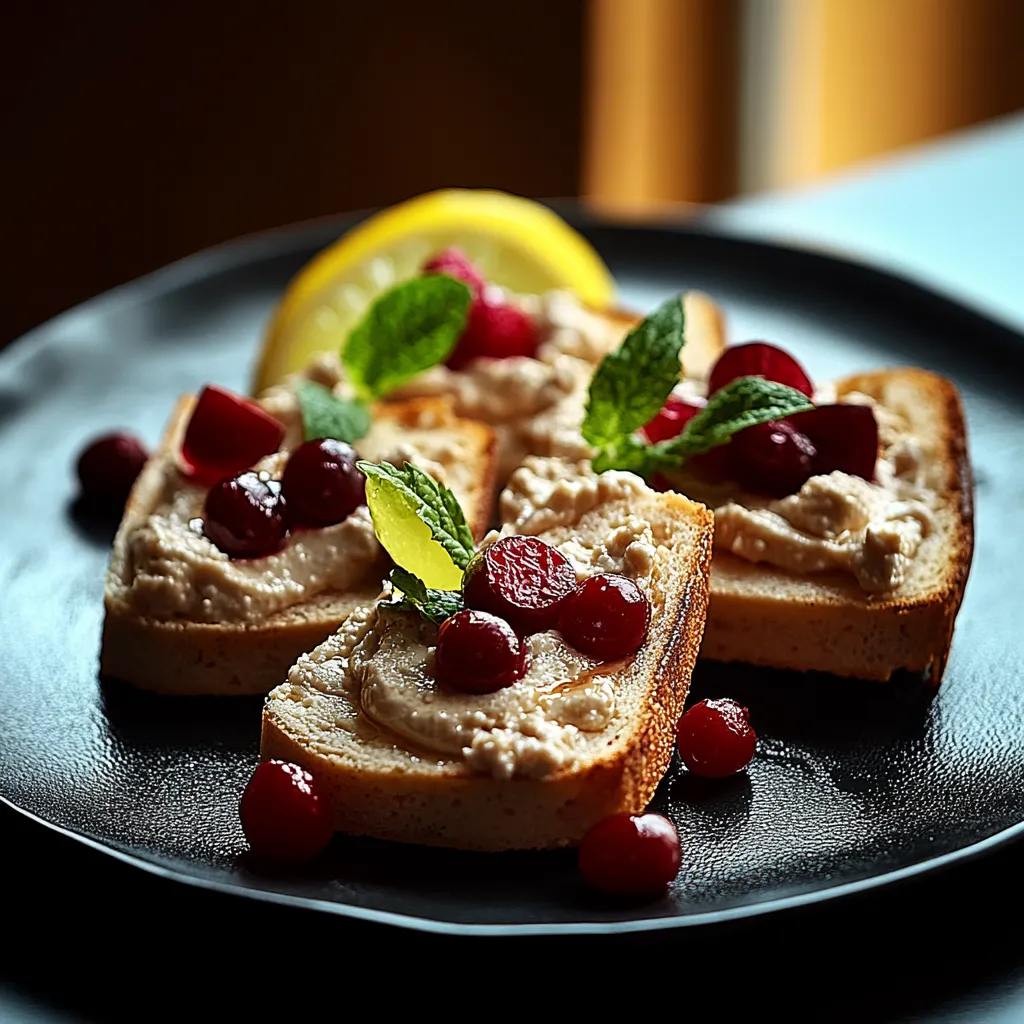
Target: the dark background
(136, 134)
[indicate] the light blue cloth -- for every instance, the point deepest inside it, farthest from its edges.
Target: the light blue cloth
(949, 215)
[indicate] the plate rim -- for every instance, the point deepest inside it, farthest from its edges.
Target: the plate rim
(285, 239)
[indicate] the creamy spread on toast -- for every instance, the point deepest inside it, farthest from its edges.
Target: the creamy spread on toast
(382, 659)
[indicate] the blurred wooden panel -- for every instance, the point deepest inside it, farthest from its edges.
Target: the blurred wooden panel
(661, 101)
(137, 133)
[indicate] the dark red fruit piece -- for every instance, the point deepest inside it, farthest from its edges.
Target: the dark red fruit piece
(494, 330)
(226, 435)
(478, 653)
(772, 458)
(674, 415)
(521, 580)
(321, 484)
(715, 738)
(244, 516)
(845, 436)
(283, 816)
(107, 468)
(631, 854)
(455, 263)
(759, 359)
(606, 617)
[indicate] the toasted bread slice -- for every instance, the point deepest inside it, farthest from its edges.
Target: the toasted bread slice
(380, 785)
(176, 654)
(824, 621)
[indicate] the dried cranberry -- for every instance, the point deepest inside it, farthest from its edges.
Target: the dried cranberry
(244, 516)
(107, 468)
(845, 437)
(283, 816)
(631, 854)
(478, 653)
(522, 580)
(759, 359)
(226, 435)
(321, 484)
(674, 415)
(606, 616)
(715, 738)
(455, 263)
(494, 330)
(771, 458)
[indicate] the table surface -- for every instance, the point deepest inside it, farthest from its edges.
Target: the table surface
(104, 941)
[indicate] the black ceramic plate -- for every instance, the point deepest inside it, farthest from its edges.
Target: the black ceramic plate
(854, 785)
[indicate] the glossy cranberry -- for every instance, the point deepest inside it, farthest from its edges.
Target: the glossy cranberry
(321, 484)
(226, 435)
(522, 580)
(478, 653)
(631, 854)
(844, 436)
(283, 816)
(606, 617)
(771, 458)
(759, 359)
(674, 415)
(455, 263)
(244, 516)
(107, 468)
(715, 738)
(494, 330)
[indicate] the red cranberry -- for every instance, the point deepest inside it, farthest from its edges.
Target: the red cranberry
(522, 580)
(715, 738)
(283, 816)
(771, 458)
(478, 653)
(226, 435)
(244, 516)
(845, 436)
(631, 854)
(455, 263)
(606, 617)
(759, 359)
(495, 330)
(108, 468)
(321, 484)
(674, 415)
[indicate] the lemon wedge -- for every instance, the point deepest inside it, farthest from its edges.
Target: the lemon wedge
(516, 243)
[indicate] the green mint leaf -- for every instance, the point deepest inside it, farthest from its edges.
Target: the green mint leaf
(410, 328)
(632, 383)
(744, 402)
(326, 415)
(419, 522)
(433, 605)
(628, 453)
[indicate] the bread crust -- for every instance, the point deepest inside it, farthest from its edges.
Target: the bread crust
(233, 659)
(447, 804)
(833, 626)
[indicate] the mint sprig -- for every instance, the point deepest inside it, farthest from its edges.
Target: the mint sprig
(413, 595)
(409, 329)
(632, 383)
(324, 414)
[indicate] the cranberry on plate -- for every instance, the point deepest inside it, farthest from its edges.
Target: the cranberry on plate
(522, 580)
(631, 854)
(606, 617)
(455, 263)
(844, 436)
(772, 458)
(283, 816)
(226, 435)
(759, 359)
(321, 484)
(478, 653)
(244, 516)
(107, 468)
(715, 738)
(669, 423)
